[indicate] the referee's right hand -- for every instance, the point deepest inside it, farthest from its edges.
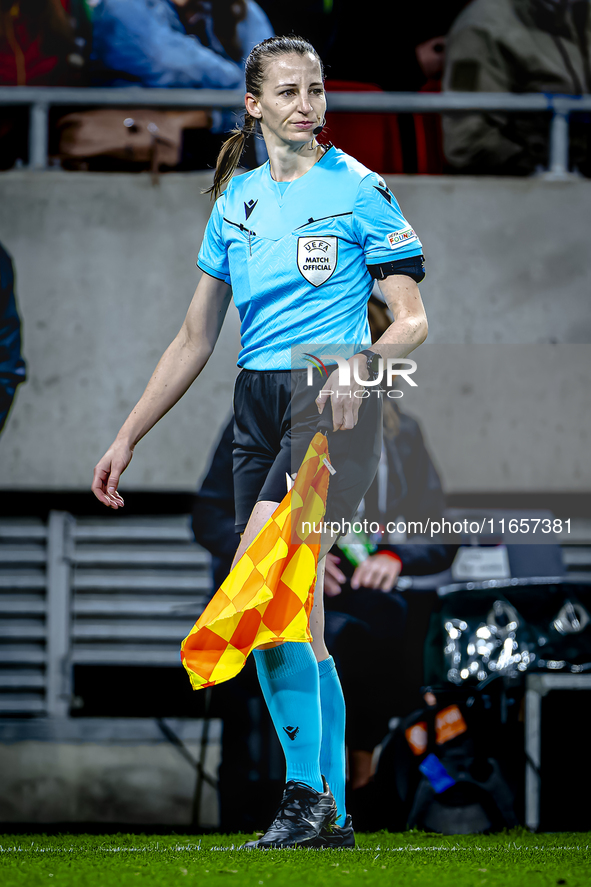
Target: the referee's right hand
(107, 473)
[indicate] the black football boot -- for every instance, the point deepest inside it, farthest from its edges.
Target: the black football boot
(336, 837)
(302, 815)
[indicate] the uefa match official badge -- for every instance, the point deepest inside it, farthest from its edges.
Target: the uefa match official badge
(317, 258)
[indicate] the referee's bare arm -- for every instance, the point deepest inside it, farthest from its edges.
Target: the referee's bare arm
(410, 326)
(407, 332)
(177, 369)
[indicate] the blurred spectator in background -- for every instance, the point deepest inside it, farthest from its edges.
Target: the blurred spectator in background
(403, 58)
(42, 43)
(408, 57)
(361, 597)
(12, 365)
(212, 518)
(516, 46)
(175, 43)
(172, 44)
(363, 611)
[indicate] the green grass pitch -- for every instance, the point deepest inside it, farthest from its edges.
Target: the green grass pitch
(510, 859)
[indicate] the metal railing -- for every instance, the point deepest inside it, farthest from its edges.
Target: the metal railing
(41, 98)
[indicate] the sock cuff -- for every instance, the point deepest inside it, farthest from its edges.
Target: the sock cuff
(286, 659)
(326, 666)
(308, 772)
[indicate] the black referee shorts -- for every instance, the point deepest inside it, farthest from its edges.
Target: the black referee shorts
(275, 418)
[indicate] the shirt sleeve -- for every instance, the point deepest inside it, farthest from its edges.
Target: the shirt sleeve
(383, 232)
(213, 255)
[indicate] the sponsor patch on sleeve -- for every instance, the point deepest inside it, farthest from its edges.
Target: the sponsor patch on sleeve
(396, 239)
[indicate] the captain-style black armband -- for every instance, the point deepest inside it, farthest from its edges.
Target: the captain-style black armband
(413, 267)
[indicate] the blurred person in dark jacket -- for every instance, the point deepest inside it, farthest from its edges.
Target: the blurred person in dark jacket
(412, 53)
(516, 46)
(212, 518)
(367, 620)
(361, 600)
(12, 365)
(409, 57)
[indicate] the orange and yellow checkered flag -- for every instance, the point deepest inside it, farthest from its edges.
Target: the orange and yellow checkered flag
(269, 594)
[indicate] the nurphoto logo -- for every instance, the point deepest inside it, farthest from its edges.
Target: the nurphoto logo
(395, 367)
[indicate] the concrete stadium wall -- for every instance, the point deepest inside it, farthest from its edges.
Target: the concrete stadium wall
(105, 770)
(106, 270)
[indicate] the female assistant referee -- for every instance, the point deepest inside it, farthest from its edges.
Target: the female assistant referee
(298, 242)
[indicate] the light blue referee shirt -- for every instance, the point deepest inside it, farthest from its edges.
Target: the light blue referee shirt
(296, 256)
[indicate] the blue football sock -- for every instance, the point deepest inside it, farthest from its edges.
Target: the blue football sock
(332, 751)
(289, 679)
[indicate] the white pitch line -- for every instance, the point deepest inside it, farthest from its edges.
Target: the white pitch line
(192, 848)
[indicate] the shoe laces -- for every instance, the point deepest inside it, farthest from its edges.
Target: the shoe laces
(295, 803)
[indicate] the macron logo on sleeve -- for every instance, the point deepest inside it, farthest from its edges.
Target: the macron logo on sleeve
(384, 191)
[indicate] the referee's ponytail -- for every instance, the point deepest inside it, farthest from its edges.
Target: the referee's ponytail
(232, 149)
(229, 156)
